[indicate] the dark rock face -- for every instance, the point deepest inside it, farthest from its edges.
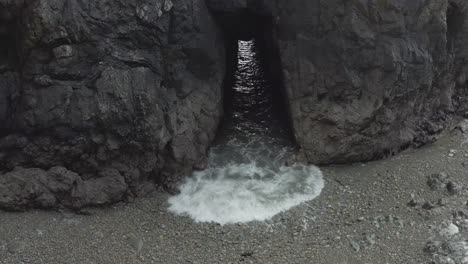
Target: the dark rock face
(23, 188)
(135, 87)
(365, 78)
(127, 85)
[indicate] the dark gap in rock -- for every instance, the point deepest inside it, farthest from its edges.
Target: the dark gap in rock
(455, 21)
(8, 31)
(246, 26)
(9, 64)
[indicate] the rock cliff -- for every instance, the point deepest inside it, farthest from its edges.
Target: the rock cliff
(127, 93)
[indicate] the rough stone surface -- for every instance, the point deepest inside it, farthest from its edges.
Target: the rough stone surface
(365, 78)
(58, 187)
(131, 86)
(136, 86)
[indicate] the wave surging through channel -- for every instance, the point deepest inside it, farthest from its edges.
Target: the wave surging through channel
(250, 188)
(246, 179)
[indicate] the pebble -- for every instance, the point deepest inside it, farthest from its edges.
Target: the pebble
(428, 205)
(136, 243)
(454, 188)
(443, 202)
(99, 234)
(415, 201)
(439, 259)
(355, 245)
(448, 229)
(370, 239)
(432, 247)
(15, 246)
(463, 126)
(39, 232)
(437, 181)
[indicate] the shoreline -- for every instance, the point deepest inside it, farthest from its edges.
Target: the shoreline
(362, 216)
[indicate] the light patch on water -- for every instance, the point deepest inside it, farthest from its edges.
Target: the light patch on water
(240, 193)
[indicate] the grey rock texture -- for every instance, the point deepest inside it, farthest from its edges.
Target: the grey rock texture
(366, 78)
(135, 87)
(24, 188)
(132, 86)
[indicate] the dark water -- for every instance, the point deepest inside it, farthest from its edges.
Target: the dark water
(254, 116)
(252, 111)
(246, 179)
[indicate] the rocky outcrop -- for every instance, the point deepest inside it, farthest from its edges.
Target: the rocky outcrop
(126, 85)
(58, 187)
(136, 86)
(366, 78)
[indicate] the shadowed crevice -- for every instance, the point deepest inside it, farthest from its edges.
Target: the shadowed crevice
(456, 15)
(246, 24)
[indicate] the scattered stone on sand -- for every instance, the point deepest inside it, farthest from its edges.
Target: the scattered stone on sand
(99, 235)
(437, 181)
(449, 251)
(454, 188)
(415, 201)
(439, 259)
(370, 240)
(452, 153)
(448, 229)
(136, 242)
(428, 205)
(330, 223)
(15, 246)
(432, 246)
(443, 202)
(463, 126)
(355, 245)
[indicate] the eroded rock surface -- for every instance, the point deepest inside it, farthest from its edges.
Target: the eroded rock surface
(136, 86)
(366, 78)
(25, 188)
(132, 86)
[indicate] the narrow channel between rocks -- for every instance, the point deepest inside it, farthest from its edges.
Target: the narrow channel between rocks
(246, 178)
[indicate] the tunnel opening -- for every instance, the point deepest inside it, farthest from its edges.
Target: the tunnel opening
(455, 21)
(9, 64)
(250, 175)
(255, 99)
(8, 31)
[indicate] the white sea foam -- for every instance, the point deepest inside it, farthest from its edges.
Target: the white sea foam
(245, 192)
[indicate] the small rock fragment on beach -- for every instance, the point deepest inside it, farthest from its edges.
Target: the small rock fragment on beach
(454, 188)
(428, 205)
(136, 242)
(15, 246)
(432, 246)
(415, 201)
(443, 202)
(437, 181)
(355, 245)
(448, 229)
